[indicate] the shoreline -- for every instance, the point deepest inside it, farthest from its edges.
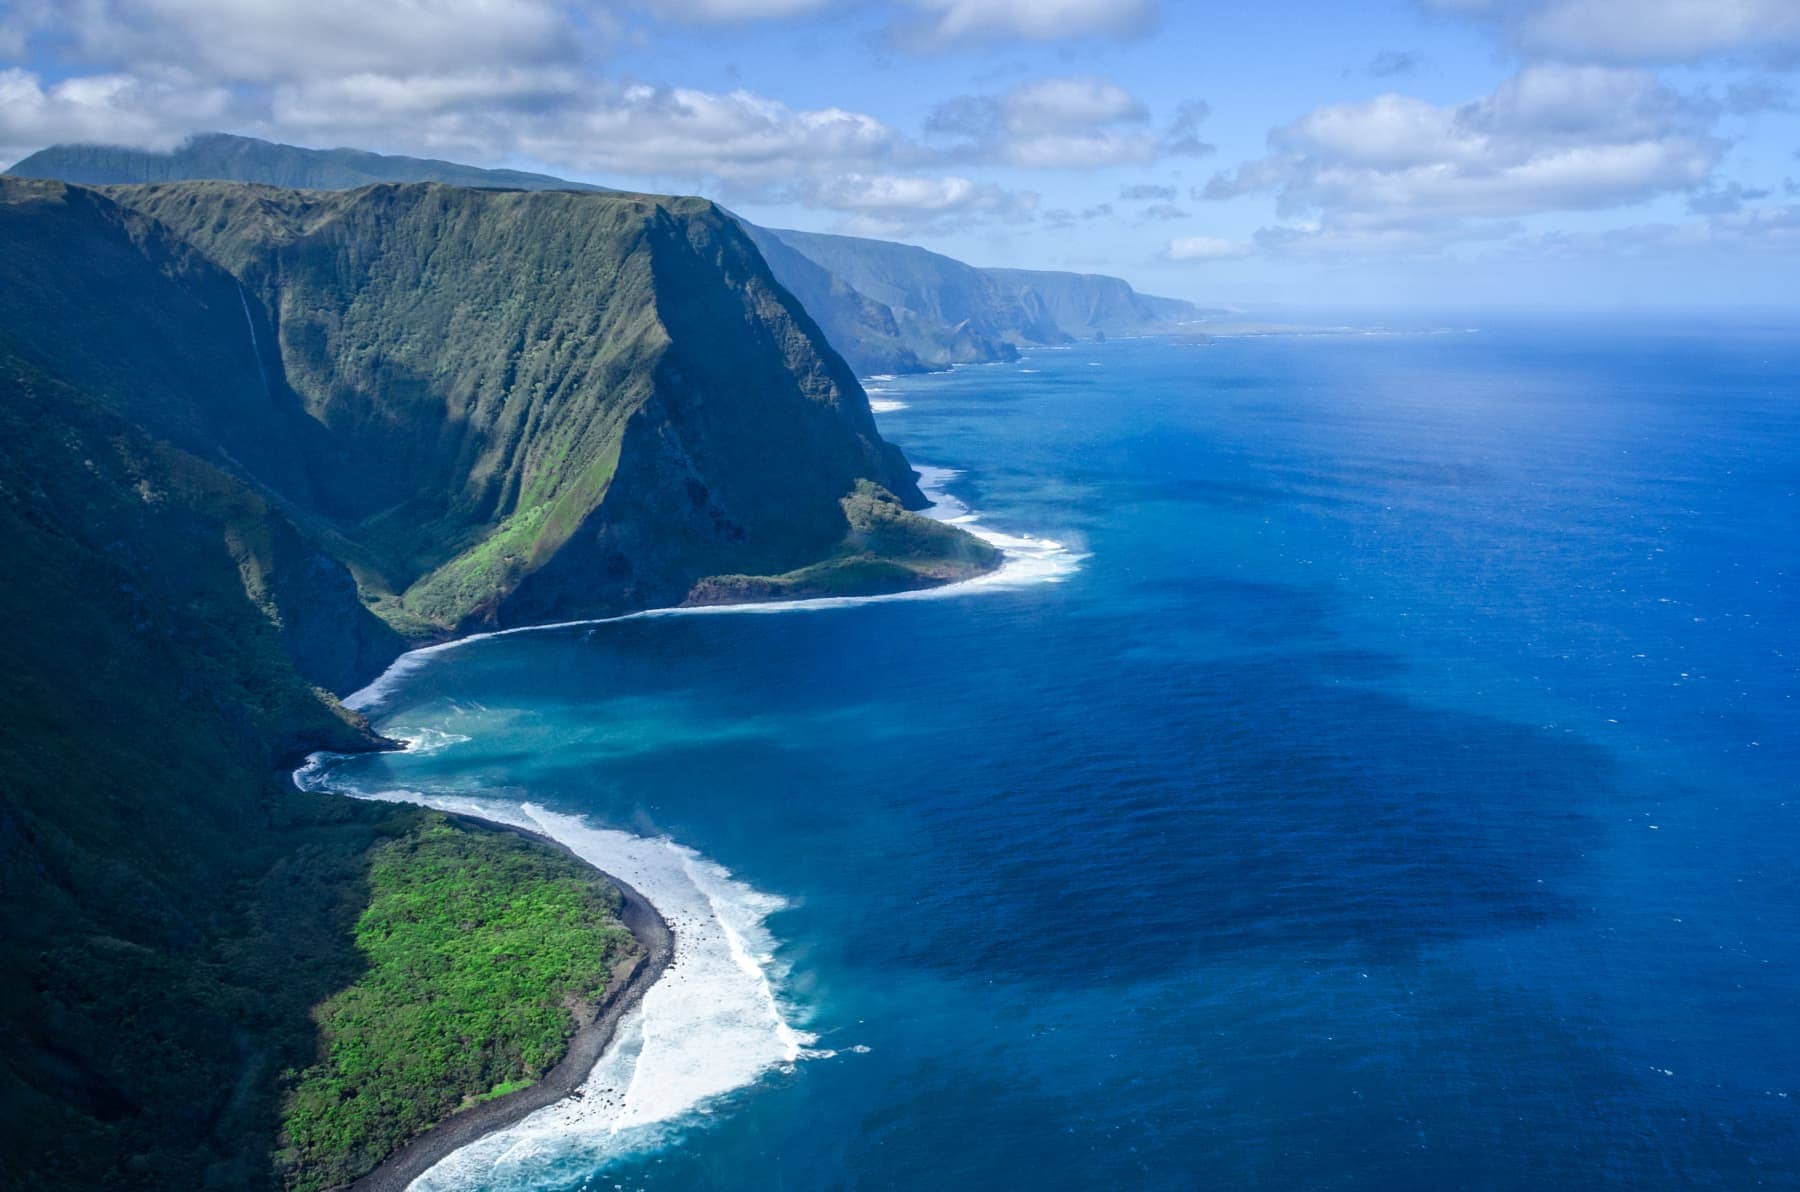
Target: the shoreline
(656, 942)
(1024, 559)
(398, 1170)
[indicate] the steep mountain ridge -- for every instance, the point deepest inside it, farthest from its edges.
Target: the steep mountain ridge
(236, 424)
(494, 406)
(888, 308)
(230, 158)
(1085, 304)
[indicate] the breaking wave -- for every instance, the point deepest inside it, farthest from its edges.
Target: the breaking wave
(1027, 560)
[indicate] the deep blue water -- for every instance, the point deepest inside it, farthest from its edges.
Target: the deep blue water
(1403, 794)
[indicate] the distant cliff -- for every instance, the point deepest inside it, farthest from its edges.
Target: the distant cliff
(888, 308)
(247, 159)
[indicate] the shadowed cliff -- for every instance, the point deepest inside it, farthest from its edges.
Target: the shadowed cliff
(493, 407)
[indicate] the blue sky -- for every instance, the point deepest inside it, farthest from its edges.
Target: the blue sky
(1414, 153)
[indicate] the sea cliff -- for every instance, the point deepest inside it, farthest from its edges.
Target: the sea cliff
(255, 442)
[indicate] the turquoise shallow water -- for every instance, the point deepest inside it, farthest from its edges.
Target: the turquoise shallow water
(1401, 793)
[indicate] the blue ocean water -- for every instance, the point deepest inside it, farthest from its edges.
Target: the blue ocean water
(1403, 793)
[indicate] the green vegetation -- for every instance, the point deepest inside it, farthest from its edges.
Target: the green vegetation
(889, 308)
(174, 909)
(479, 944)
(247, 159)
(251, 441)
(492, 406)
(888, 548)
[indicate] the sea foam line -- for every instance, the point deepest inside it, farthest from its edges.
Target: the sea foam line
(1026, 560)
(712, 1024)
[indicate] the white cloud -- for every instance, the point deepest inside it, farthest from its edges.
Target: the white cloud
(1206, 248)
(520, 82)
(275, 40)
(736, 141)
(946, 22)
(1644, 31)
(1060, 122)
(891, 193)
(1551, 138)
(1361, 237)
(908, 204)
(115, 108)
(940, 24)
(732, 11)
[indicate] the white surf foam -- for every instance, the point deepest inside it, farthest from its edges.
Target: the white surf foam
(885, 405)
(712, 1024)
(426, 740)
(1027, 560)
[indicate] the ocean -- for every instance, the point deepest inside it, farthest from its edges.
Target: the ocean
(1380, 770)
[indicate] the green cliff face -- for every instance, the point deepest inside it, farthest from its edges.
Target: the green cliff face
(247, 159)
(1088, 304)
(947, 312)
(251, 440)
(494, 407)
(888, 308)
(174, 910)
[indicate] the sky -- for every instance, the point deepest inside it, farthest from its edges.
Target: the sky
(1453, 154)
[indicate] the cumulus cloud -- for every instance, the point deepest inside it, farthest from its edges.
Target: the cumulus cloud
(732, 11)
(1551, 138)
(481, 80)
(949, 22)
(1644, 31)
(1050, 123)
(929, 25)
(897, 204)
(103, 107)
(1060, 122)
(1205, 248)
(275, 40)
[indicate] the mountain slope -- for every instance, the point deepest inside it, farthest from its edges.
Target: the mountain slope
(888, 308)
(172, 912)
(1085, 304)
(235, 422)
(246, 159)
(494, 406)
(867, 332)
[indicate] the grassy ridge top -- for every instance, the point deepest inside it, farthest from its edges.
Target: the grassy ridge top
(247, 159)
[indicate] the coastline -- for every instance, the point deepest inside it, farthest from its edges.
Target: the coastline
(656, 942)
(1023, 559)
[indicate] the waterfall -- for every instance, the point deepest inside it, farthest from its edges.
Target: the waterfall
(255, 348)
